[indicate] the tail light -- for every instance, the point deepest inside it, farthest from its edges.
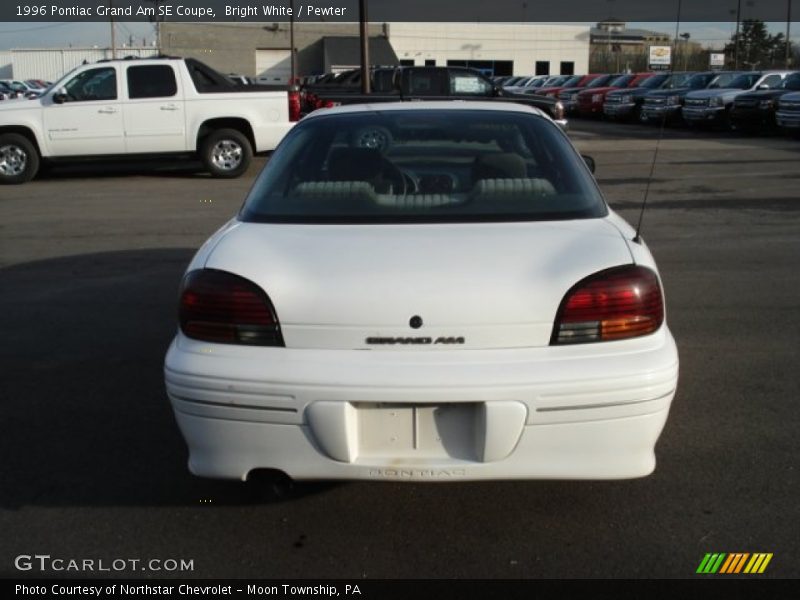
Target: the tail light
(294, 103)
(216, 306)
(615, 304)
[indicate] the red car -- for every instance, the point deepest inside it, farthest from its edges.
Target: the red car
(578, 81)
(590, 101)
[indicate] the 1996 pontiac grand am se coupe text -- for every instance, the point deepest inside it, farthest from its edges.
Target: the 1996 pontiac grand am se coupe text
(423, 291)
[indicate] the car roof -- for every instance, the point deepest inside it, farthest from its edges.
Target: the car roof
(510, 107)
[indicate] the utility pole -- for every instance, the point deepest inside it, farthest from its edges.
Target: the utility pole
(363, 21)
(113, 30)
(292, 55)
(736, 46)
(157, 18)
(686, 37)
(788, 33)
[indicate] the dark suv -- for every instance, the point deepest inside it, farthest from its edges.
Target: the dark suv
(668, 104)
(627, 103)
(756, 110)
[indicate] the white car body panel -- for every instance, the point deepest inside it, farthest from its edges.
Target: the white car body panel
(505, 404)
(505, 297)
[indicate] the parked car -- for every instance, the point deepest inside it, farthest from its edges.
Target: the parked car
(149, 107)
(666, 105)
(38, 84)
(590, 100)
(433, 291)
(787, 115)
(626, 104)
(574, 82)
(7, 92)
(713, 106)
(569, 96)
(22, 89)
(755, 111)
(511, 81)
(528, 85)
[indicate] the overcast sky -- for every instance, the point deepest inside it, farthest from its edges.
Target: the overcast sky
(63, 35)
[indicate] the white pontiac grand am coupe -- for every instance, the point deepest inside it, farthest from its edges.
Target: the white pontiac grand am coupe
(426, 291)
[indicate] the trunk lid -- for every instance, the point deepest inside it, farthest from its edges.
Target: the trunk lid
(473, 285)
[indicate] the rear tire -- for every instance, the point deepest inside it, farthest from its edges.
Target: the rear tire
(226, 153)
(19, 159)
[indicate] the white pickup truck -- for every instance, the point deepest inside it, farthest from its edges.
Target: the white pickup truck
(153, 107)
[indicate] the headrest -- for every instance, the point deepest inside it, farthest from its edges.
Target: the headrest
(514, 187)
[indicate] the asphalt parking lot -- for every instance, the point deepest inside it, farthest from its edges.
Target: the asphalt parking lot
(94, 467)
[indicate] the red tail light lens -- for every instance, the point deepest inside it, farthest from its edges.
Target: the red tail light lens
(616, 304)
(294, 104)
(220, 307)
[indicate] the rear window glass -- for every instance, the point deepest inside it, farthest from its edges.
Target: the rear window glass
(151, 81)
(424, 166)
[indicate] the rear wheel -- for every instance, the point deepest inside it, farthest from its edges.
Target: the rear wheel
(226, 153)
(19, 159)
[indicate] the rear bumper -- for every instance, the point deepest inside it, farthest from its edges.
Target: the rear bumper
(586, 412)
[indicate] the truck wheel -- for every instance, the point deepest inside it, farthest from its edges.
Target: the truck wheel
(226, 153)
(19, 160)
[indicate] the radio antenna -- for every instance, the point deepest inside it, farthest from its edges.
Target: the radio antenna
(638, 237)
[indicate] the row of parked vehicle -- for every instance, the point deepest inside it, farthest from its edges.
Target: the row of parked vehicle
(743, 100)
(11, 89)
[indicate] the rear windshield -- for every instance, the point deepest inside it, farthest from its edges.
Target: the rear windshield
(424, 166)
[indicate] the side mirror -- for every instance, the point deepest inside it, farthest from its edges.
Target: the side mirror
(589, 162)
(497, 90)
(60, 96)
(763, 86)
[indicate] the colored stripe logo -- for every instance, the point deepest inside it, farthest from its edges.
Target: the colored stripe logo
(734, 563)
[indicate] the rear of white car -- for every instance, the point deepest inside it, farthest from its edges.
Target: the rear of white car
(481, 315)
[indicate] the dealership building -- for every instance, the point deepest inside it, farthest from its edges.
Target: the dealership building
(263, 50)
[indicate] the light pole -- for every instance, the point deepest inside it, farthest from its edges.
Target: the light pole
(686, 37)
(788, 33)
(157, 18)
(736, 46)
(363, 21)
